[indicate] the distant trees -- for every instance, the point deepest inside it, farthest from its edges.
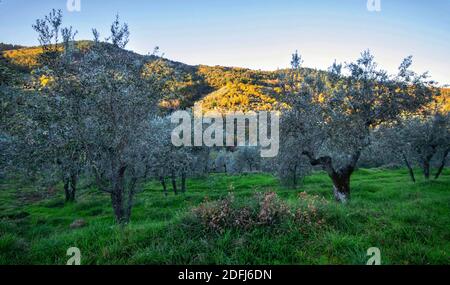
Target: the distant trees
(292, 166)
(418, 140)
(5, 46)
(248, 158)
(168, 161)
(429, 138)
(331, 115)
(222, 161)
(428, 134)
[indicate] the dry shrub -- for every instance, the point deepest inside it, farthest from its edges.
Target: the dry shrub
(261, 210)
(310, 210)
(215, 215)
(273, 210)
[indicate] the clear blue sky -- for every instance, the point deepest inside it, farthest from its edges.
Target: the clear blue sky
(259, 34)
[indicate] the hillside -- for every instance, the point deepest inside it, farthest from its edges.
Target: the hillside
(245, 89)
(445, 99)
(240, 97)
(216, 87)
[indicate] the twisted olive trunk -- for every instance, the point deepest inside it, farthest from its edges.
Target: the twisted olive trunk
(339, 177)
(341, 185)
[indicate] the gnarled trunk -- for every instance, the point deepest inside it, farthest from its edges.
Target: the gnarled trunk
(340, 177)
(341, 185)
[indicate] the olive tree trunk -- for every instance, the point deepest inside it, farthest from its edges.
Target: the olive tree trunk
(70, 188)
(426, 169)
(174, 183)
(442, 165)
(340, 177)
(162, 180)
(341, 185)
(410, 170)
(121, 202)
(183, 182)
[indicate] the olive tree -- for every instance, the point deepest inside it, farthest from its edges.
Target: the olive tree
(46, 127)
(420, 139)
(331, 114)
(389, 141)
(428, 138)
(248, 158)
(166, 160)
(291, 165)
(121, 100)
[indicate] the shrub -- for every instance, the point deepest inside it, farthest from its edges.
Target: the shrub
(215, 215)
(272, 210)
(310, 213)
(261, 210)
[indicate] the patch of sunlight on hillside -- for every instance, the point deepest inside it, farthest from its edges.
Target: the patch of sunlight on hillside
(27, 58)
(444, 100)
(239, 97)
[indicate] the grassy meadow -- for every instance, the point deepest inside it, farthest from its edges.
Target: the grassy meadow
(410, 223)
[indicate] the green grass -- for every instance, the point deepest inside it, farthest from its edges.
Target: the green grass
(410, 223)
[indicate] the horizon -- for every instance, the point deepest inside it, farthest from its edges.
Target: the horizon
(260, 35)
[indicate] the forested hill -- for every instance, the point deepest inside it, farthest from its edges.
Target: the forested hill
(216, 87)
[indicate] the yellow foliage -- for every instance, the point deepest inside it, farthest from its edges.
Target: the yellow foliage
(25, 57)
(44, 80)
(239, 97)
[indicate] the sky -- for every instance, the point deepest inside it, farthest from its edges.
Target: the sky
(258, 34)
